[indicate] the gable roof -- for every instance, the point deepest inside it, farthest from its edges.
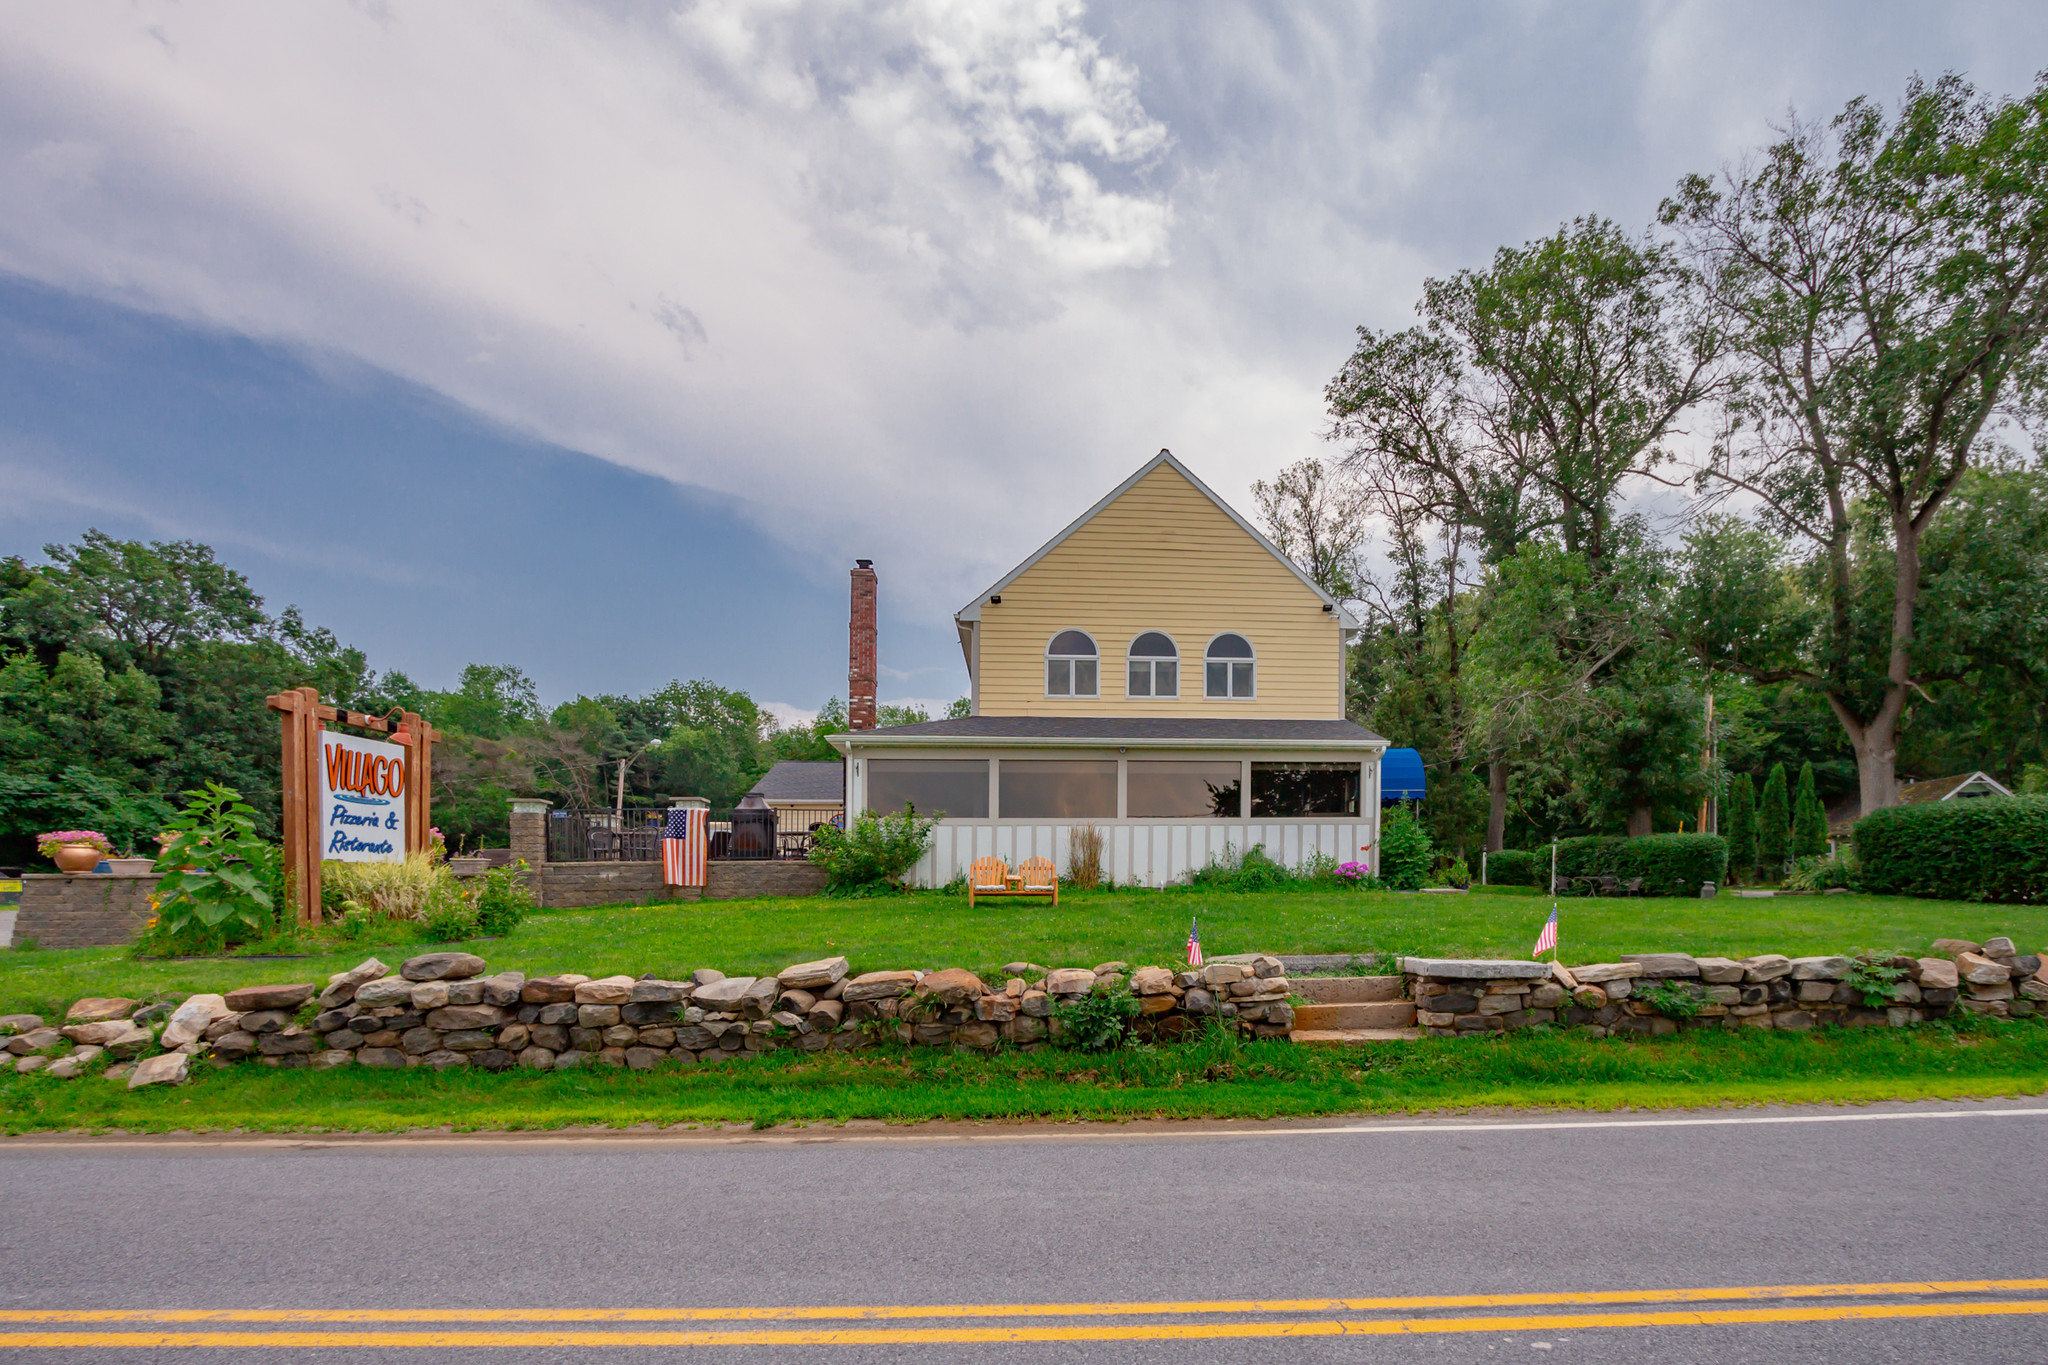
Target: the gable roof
(793, 779)
(972, 611)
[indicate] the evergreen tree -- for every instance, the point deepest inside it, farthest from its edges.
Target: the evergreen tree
(1774, 824)
(1742, 827)
(1809, 819)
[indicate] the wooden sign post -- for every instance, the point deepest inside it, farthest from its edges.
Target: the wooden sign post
(304, 818)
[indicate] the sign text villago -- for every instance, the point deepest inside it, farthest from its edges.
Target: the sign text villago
(362, 806)
(347, 798)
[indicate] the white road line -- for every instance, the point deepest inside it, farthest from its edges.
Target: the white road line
(430, 1141)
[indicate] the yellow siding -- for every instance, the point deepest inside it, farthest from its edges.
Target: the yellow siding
(1162, 557)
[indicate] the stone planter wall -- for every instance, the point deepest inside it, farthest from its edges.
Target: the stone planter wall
(83, 909)
(1471, 996)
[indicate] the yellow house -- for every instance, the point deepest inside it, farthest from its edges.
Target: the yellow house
(1157, 670)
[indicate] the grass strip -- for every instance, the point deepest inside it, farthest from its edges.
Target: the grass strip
(930, 931)
(1213, 1078)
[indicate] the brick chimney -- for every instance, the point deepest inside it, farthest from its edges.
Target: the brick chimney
(860, 649)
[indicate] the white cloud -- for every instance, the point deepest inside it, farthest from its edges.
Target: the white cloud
(914, 279)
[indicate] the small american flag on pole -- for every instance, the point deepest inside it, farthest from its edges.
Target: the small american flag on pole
(1194, 945)
(1547, 940)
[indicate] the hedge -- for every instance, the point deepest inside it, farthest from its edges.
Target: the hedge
(1669, 864)
(1990, 848)
(1513, 867)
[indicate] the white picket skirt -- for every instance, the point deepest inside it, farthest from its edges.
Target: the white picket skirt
(1145, 852)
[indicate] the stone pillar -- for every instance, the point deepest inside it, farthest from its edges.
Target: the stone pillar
(530, 830)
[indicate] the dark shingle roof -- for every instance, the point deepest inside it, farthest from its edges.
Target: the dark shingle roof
(797, 780)
(1107, 729)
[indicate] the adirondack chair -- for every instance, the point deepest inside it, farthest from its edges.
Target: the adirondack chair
(1035, 877)
(988, 877)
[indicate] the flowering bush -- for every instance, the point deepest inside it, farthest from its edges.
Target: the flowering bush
(48, 844)
(1354, 871)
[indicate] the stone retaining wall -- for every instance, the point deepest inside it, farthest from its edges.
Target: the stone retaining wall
(83, 909)
(1455, 997)
(440, 1010)
(574, 885)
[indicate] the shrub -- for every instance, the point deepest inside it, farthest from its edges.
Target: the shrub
(1672, 999)
(1821, 874)
(219, 881)
(447, 920)
(1405, 852)
(1809, 818)
(1742, 827)
(1774, 825)
(1873, 975)
(1514, 867)
(1669, 864)
(1084, 857)
(411, 890)
(1453, 872)
(503, 900)
(1099, 1021)
(1992, 848)
(1251, 870)
(875, 850)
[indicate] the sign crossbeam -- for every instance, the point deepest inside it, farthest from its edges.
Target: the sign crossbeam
(303, 718)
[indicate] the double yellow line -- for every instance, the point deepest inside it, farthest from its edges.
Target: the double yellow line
(371, 1324)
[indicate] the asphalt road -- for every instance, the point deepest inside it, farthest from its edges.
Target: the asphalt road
(1046, 1223)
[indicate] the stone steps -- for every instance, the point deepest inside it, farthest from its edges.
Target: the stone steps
(1347, 1004)
(1375, 1014)
(1347, 990)
(1347, 1037)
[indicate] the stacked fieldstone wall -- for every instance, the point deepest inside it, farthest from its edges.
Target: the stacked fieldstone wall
(1455, 997)
(441, 1010)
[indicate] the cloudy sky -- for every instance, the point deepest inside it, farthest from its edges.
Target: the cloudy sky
(600, 338)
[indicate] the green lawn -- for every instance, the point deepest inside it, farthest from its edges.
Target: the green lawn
(1210, 1079)
(1138, 926)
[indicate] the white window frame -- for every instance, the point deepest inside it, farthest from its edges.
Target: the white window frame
(1047, 657)
(1252, 695)
(1178, 668)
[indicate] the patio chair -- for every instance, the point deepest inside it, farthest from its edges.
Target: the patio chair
(1035, 877)
(988, 877)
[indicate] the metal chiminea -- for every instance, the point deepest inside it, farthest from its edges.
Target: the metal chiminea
(753, 828)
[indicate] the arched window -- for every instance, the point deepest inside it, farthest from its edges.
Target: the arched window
(1154, 667)
(1070, 666)
(1229, 667)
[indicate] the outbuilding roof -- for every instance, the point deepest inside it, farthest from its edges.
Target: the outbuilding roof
(798, 780)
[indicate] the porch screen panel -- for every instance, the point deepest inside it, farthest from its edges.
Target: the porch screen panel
(1166, 789)
(956, 787)
(1285, 789)
(1057, 789)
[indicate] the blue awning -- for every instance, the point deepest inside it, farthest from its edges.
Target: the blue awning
(1401, 776)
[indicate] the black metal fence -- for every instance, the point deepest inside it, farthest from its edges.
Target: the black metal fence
(739, 834)
(599, 836)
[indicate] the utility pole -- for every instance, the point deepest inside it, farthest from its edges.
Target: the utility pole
(1710, 804)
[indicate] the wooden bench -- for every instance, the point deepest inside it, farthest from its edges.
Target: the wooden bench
(992, 877)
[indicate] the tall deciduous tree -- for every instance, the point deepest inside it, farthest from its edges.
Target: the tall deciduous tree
(1885, 280)
(1532, 391)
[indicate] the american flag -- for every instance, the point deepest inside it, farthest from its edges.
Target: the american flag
(1194, 945)
(1547, 940)
(683, 842)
